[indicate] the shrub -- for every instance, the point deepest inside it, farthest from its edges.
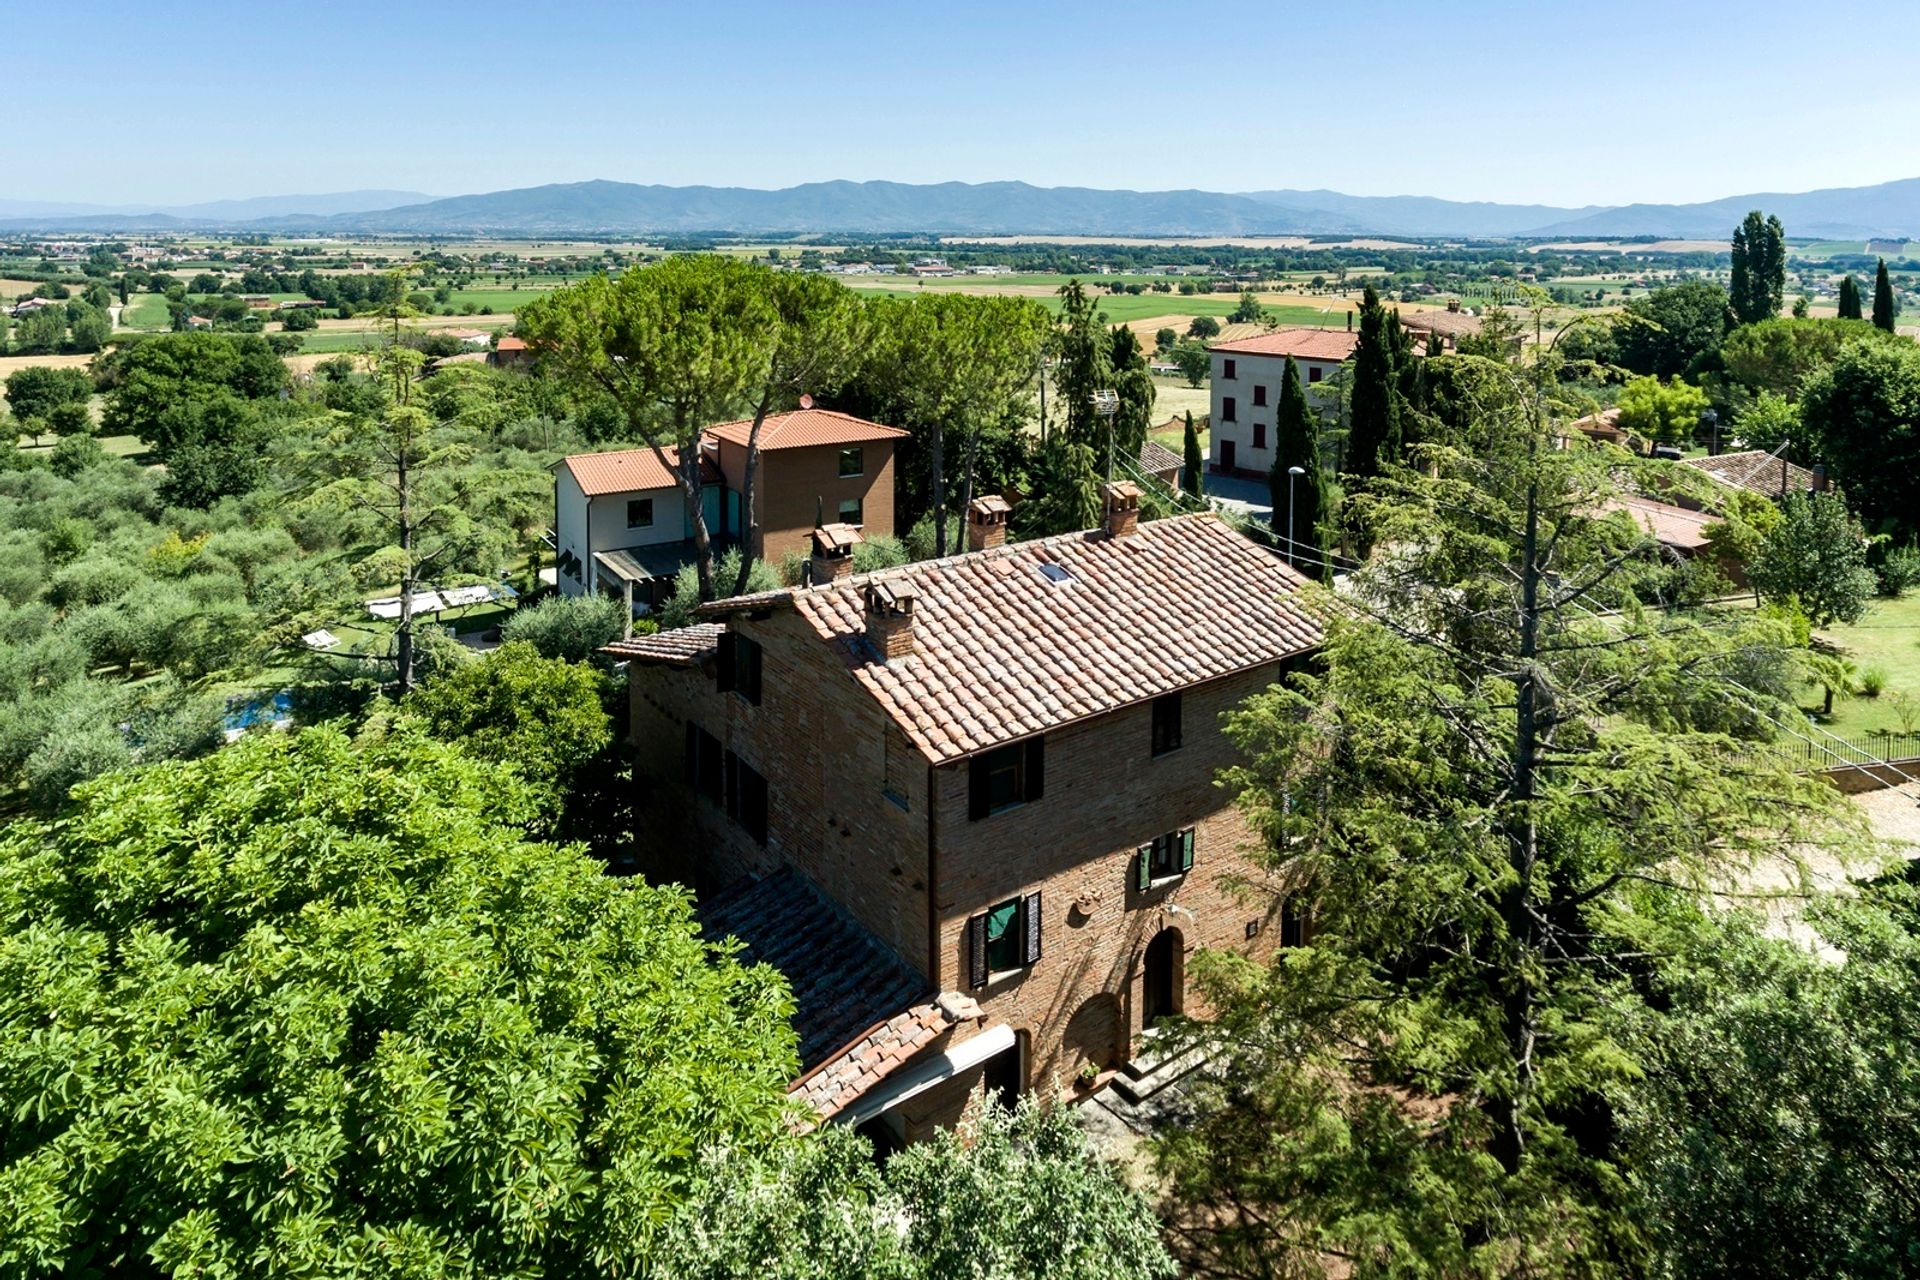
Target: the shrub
(572, 628)
(1899, 571)
(1873, 682)
(879, 552)
(920, 538)
(76, 454)
(678, 612)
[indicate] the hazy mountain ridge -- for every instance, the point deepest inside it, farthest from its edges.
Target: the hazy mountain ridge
(1885, 210)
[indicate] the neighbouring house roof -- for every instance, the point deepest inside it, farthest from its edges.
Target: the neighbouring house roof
(845, 981)
(1760, 472)
(510, 344)
(1003, 651)
(1449, 324)
(644, 564)
(1300, 343)
(1674, 526)
(683, 647)
(1156, 457)
(804, 428)
(628, 470)
(847, 1076)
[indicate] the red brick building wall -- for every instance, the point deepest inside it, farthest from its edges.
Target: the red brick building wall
(791, 486)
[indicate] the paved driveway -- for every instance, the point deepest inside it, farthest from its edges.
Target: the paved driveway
(1242, 494)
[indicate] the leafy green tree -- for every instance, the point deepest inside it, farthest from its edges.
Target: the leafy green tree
(299, 319)
(1849, 299)
(1664, 411)
(1299, 502)
(306, 1006)
(1066, 491)
(1759, 283)
(155, 383)
(1884, 306)
(1492, 799)
(1373, 436)
(1164, 339)
(573, 628)
(1011, 1194)
(1775, 1131)
(1193, 464)
(1672, 331)
(1203, 327)
(1817, 555)
(544, 716)
(1249, 310)
(1861, 418)
(1195, 362)
(1779, 355)
(35, 391)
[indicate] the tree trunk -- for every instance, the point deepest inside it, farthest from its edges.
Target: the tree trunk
(748, 527)
(937, 462)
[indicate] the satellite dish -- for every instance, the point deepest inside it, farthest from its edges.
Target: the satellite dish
(806, 402)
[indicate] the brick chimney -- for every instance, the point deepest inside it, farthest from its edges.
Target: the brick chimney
(1121, 501)
(987, 522)
(832, 557)
(890, 618)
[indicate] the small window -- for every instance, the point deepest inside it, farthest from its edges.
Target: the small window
(852, 462)
(1226, 369)
(1005, 777)
(1313, 373)
(850, 509)
(1166, 724)
(747, 797)
(1164, 858)
(1226, 409)
(1055, 573)
(1293, 922)
(1259, 396)
(705, 772)
(1002, 939)
(639, 513)
(898, 767)
(737, 667)
(1259, 435)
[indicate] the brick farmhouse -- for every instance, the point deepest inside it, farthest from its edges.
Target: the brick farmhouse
(621, 523)
(968, 806)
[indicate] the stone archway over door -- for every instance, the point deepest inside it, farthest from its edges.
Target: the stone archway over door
(1162, 979)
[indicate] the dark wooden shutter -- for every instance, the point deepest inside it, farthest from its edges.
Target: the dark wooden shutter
(1030, 934)
(693, 754)
(977, 951)
(1186, 849)
(1036, 770)
(978, 795)
(723, 657)
(1143, 868)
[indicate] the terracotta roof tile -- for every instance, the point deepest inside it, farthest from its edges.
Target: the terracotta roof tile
(840, 1079)
(683, 647)
(844, 980)
(1001, 652)
(620, 471)
(1761, 472)
(1300, 343)
(805, 427)
(1675, 526)
(1156, 457)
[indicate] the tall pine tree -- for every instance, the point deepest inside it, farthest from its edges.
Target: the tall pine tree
(1759, 283)
(1299, 502)
(1192, 464)
(1849, 299)
(1373, 438)
(1883, 308)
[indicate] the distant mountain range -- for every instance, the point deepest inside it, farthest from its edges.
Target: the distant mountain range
(1890, 210)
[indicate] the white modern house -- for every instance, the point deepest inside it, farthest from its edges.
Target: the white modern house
(620, 522)
(1246, 379)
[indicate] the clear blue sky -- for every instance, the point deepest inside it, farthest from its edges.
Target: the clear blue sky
(1554, 102)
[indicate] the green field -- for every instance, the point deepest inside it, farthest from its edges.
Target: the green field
(328, 342)
(145, 311)
(1887, 639)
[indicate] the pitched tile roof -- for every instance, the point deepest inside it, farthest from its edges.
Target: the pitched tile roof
(1761, 472)
(805, 427)
(832, 1084)
(683, 647)
(1675, 526)
(1002, 651)
(1156, 457)
(1301, 344)
(844, 980)
(620, 471)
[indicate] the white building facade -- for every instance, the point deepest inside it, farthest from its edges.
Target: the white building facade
(1246, 379)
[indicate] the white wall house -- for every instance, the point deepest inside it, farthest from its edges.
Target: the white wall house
(1246, 379)
(621, 502)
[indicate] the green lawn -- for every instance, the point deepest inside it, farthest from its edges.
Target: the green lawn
(146, 311)
(1887, 639)
(329, 342)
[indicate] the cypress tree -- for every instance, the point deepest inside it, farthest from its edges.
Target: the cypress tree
(1373, 439)
(1849, 299)
(1296, 443)
(1740, 282)
(1192, 464)
(1883, 299)
(1772, 266)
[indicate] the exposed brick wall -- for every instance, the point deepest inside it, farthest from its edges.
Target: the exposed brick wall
(821, 742)
(793, 485)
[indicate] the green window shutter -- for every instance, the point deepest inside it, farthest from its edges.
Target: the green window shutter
(1143, 868)
(1186, 849)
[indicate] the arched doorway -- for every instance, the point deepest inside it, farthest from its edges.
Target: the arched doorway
(1162, 982)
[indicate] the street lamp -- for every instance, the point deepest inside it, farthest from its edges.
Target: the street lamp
(1293, 473)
